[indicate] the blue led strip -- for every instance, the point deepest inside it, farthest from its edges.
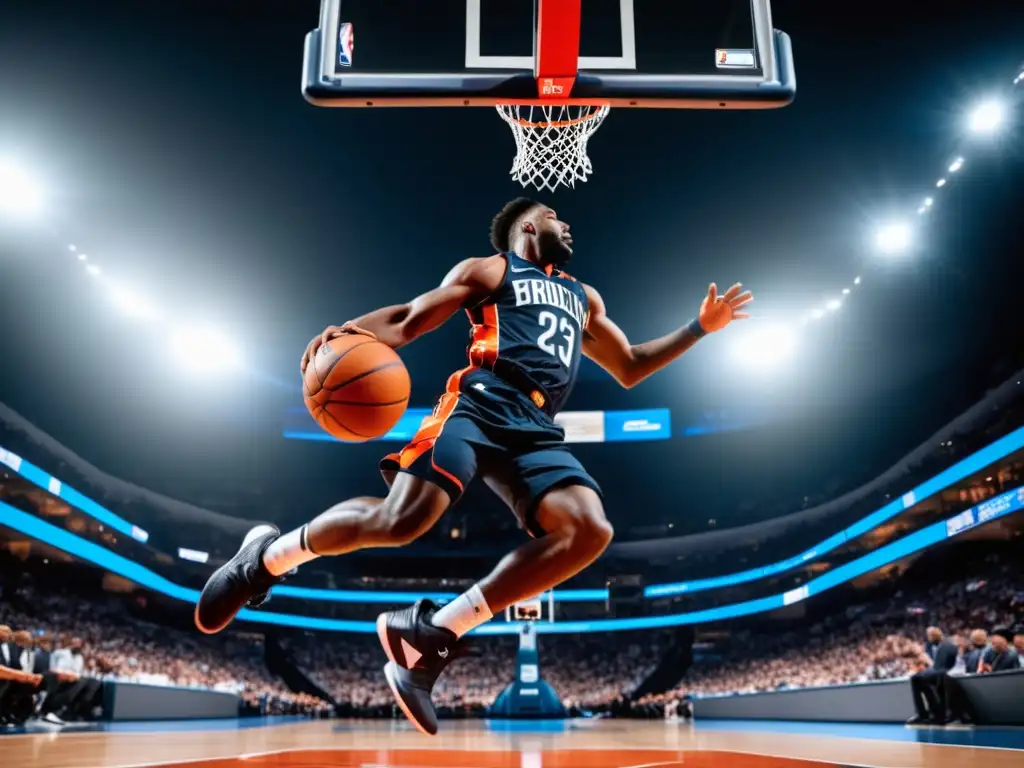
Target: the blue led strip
(964, 468)
(49, 483)
(985, 512)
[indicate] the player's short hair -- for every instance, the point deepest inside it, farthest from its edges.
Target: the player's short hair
(501, 226)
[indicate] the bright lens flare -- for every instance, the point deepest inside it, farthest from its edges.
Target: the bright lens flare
(765, 349)
(21, 195)
(205, 350)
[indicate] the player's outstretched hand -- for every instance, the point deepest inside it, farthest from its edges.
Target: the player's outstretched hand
(716, 311)
(330, 332)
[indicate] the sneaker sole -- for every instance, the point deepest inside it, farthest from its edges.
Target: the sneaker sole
(389, 675)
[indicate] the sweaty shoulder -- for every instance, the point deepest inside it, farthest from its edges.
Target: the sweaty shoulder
(481, 275)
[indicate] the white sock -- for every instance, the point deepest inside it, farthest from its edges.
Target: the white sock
(288, 552)
(465, 612)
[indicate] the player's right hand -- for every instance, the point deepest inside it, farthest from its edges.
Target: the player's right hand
(330, 332)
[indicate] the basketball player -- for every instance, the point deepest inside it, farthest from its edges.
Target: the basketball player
(531, 321)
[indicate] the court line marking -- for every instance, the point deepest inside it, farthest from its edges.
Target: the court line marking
(883, 741)
(663, 764)
(246, 756)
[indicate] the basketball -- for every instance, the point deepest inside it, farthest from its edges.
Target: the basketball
(356, 388)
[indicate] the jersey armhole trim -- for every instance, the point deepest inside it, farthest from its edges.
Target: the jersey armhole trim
(493, 295)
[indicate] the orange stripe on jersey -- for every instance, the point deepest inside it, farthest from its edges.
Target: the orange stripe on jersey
(483, 349)
(449, 475)
(413, 451)
(431, 425)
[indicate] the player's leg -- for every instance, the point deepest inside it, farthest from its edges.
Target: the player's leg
(426, 478)
(559, 503)
(411, 507)
(574, 533)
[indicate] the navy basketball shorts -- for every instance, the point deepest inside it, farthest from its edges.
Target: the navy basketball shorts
(483, 426)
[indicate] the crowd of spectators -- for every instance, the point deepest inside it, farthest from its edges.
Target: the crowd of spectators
(110, 644)
(982, 617)
(107, 644)
(57, 650)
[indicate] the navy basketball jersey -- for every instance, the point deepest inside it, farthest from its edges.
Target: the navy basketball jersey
(533, 324)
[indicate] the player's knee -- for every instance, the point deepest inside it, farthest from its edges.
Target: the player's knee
(594, 531)
(581, 520)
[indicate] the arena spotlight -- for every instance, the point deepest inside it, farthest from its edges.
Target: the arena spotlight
(956, 165)
(987, 118)
(93, 270)
(833, 305)
(205, 349)
(766, 348)
(940, 183)
(132, 304)
(893, 238)
(21, 195)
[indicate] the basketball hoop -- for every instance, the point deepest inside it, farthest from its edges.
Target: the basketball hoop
(551, 142)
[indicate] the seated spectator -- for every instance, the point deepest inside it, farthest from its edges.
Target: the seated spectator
(927, 685)
(1018, 644)
(979, 645)
(6, 654)
(1001, 657)
(21, 681)
(76, 697)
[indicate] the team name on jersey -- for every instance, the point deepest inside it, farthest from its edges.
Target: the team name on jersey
(550, 294)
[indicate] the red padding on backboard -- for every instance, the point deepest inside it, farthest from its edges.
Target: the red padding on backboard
(558, 47)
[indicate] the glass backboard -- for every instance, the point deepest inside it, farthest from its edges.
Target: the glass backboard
(621, 53)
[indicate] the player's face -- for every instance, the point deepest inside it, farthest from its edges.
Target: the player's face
(554, 242)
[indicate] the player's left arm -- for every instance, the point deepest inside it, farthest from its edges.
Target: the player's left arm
(629, 364)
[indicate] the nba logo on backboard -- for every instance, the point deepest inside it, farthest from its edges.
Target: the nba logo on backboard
(346, 43)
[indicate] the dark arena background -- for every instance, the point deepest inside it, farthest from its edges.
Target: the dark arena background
(819, 545)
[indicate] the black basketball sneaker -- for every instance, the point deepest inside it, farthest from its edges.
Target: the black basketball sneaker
(418, 653)
(243, 580)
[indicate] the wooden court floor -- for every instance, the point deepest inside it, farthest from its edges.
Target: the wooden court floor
(473, 744)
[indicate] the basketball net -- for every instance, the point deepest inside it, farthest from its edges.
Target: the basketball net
(551, 142)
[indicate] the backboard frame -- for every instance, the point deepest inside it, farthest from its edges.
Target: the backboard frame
(501, 80)
(546, 599)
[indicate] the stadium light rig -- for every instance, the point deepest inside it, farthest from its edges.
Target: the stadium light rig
(987, 118)
(893, 238)
(21, 195)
